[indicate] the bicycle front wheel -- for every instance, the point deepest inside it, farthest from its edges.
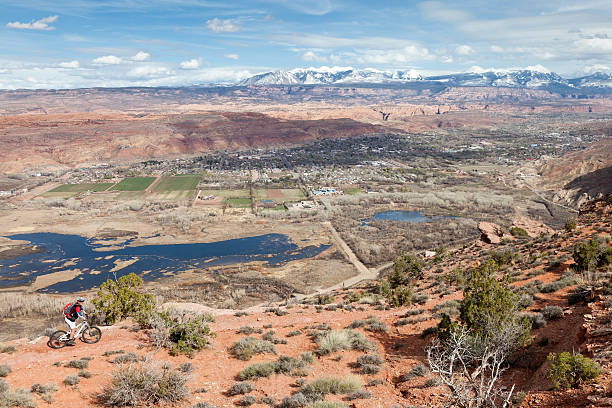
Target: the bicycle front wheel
(91, 335)
(58, 339)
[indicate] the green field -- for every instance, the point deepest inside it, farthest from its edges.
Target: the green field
(241, 202)
(79, 188)
(177, 183)
(280, 194)
(134, 184)
(352, 191)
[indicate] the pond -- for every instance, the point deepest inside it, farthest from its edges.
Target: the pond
(403, 216)
(63, 252)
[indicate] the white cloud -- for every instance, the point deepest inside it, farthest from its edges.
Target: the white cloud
(232, 56)
(447, 59)
(149, 71)
(107, 60)
(496, 49)
(591, 69)
(69, 64)
(191, 64)
(464, 50)
(141, 56)
(435, 10)
(42, 24)
(313, 56)
(222, 26)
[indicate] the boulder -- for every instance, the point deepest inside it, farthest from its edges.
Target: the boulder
(533, 228)
(490, 233)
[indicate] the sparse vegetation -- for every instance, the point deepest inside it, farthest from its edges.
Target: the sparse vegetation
(145, 383)
(335, 340)
(72, 380)
(243, 387)
(247, 347)
(17, 397)
(119, 299)
(552, 312)
(330, 385)
(5, 370)
(570, 370)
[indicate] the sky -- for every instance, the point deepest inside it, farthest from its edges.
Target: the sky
(109, 43)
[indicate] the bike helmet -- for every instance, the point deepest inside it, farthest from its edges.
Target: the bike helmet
(80, 299)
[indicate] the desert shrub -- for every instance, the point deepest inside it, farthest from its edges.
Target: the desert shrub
(8, 349)
(397, 287)
(552, 312)
(419, 370)
(4, 370)
(455, 277)
(277, 311)
(413, 312)
(84, 374)
(335, 340)
(80, 364)
(590, 254)
(518, 232)
(359, 394)
(17, 397)
(449, 308)
(518, 398)
(328, 404)
(190, 336)
(112, 352)
(371, 323)
(120, 299)
(489, 304)
(370, 369)
(241, 313)
(308, 357)
(369, 359)
(570, 370)
(537, 320)
(185, 367)
(145, 384)
(570, 224)
(268, 400)
(257, 370)
(375, 381)
(203, 405)
(297, 400)
(72, 380)
(420, 298)
(526, 300)
(243, 387)
(246, 330)
(247, 400)
(41, 389)
(331, 385)
(431, 382)
(126, 358)
(294, 333)
(502, 258)
(247, 347)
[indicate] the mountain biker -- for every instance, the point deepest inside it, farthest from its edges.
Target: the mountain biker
(71, 313)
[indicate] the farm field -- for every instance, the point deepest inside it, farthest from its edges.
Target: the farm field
(242, 202)
(226, 193)
(177, 183)
(171, 195)
(79, 188)
(134, 184)
(280, 194)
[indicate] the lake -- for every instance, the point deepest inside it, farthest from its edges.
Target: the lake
(65, 252)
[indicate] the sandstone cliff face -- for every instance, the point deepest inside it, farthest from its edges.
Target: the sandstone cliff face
(70, 139)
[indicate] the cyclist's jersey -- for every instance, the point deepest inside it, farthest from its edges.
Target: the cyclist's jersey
(76, 311)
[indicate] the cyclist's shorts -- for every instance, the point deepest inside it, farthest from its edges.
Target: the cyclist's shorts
(70, 323)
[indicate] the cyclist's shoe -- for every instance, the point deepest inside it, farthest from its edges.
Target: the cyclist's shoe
(70, 342)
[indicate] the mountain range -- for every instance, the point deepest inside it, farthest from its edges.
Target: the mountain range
(522, 78)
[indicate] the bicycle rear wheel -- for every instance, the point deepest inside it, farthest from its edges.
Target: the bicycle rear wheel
(58, 339)
(91, 335)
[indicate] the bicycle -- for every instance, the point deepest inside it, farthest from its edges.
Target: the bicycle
(89, 334)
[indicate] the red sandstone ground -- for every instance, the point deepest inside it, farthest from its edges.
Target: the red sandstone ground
(584, 328)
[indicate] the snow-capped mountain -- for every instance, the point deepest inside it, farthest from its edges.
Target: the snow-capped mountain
(519, 78)
(335, 75)
(596, 80)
